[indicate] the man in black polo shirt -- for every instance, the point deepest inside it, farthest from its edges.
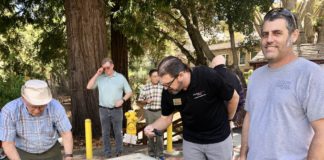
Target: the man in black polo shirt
(199, 96)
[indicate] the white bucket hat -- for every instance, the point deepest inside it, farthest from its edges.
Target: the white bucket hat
(36, 92)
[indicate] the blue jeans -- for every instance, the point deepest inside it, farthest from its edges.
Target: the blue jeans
(112, 117)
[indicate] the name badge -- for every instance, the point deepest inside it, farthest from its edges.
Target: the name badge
(177, 101)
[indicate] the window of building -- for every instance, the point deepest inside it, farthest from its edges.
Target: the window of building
(242, 58)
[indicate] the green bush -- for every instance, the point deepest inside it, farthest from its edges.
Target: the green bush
(10, 88)
(247, 75)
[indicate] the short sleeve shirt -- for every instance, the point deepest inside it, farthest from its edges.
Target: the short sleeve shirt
(33, 134)
(282, 103)
(203, 112)
(111, 89)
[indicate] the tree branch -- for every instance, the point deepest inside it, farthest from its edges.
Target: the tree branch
(176, 19)
(185, 51)
(194, 18)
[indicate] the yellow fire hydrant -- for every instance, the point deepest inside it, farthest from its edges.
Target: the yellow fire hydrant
(130, 136)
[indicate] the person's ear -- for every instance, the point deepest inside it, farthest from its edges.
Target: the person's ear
(294, 35)
(180, 76)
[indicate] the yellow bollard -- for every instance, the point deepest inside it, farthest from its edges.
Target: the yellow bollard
(169, 139)
(169, 150)
(88, 139)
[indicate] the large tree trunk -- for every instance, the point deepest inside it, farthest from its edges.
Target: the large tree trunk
(87, 46)
(119, 54)
(235, 67)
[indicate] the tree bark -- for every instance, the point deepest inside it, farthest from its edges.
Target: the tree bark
(320, 39)
(87, 46)
(201, 47)
(235, 67)
(233, 48)
(119, 54)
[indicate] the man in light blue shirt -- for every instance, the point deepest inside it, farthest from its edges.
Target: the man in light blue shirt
(30, 125)
(111, 86)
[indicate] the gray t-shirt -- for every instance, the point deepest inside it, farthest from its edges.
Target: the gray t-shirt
(282, 104)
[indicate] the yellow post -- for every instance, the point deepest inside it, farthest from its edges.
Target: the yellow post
(169, 139)
(88, 139)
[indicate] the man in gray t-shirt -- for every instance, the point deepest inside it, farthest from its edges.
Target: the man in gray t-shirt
(285, 99)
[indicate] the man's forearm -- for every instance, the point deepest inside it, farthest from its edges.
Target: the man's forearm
(92, 81)
(316, 150)
(10, 150)
(67, 142)
(244, 138)
(232, 105)
(142, 102)
(127, 96)
(163, 122)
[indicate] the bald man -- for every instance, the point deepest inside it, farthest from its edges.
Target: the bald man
(217, 60)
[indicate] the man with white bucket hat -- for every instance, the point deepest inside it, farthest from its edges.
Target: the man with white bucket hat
(31, 125)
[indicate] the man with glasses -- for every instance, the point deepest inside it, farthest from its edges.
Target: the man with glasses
(150, 97)
(199, 95)
(285, 109)
(111, 86)
(30, 125)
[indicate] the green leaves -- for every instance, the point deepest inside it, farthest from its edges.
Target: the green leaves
(10, 88)
(32, 37)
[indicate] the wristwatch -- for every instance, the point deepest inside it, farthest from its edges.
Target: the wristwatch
(68, 155)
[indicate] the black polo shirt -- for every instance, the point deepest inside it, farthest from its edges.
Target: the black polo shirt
(203, 112)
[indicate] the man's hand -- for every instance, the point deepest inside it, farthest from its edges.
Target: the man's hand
(68, 158)
(119, 103)
(99, 71)
(148, 130)
(148, 101)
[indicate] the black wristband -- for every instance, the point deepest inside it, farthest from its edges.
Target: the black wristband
(68, 155)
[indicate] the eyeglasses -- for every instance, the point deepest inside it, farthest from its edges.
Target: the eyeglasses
(106, 68)
(281, 12)
(167, 85)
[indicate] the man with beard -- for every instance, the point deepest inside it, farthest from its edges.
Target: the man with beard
(199, 96)
(285, 109)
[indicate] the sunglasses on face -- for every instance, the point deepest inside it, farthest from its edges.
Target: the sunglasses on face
(106, 68)
(282, 12)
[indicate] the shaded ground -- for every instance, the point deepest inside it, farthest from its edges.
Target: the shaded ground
(79, 151)
(98, 152)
